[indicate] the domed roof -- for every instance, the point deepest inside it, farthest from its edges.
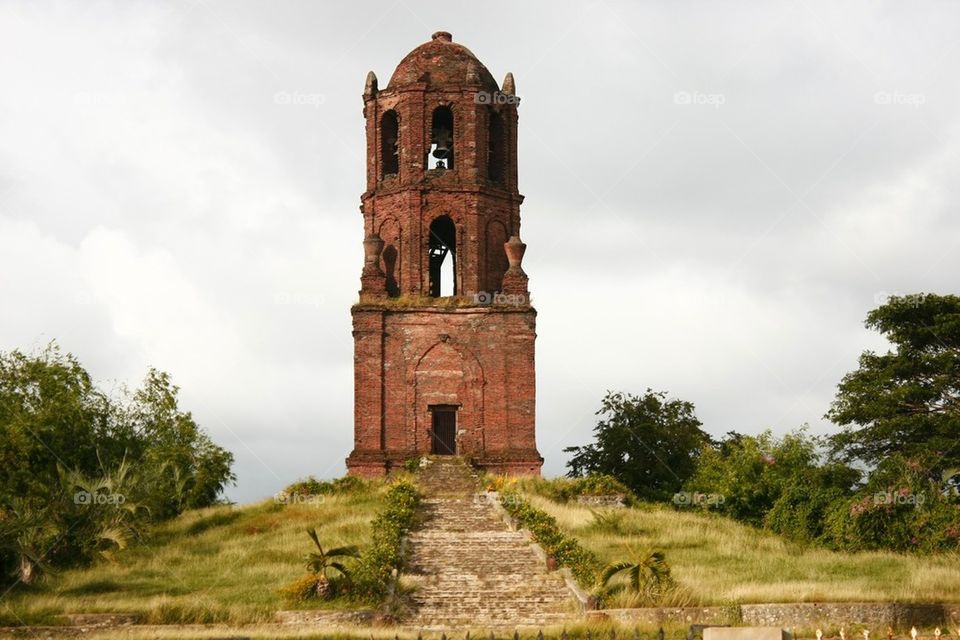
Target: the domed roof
(442, 62)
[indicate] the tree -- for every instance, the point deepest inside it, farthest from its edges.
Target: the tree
(319, 562)
(82, 472)
(650, 443)
(906, 401)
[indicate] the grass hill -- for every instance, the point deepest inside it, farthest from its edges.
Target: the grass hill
(221, 564)
(226, 564)
(718, 561)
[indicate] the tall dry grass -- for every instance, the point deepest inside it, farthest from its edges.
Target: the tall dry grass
(716, 560)
(216, 565)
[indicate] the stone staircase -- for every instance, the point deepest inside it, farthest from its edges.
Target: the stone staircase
(470, 569)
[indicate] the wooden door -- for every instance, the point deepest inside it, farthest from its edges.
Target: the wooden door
(444, 431)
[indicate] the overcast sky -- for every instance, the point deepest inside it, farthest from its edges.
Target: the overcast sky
(716, 195)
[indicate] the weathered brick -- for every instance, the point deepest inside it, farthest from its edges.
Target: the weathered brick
(413, 351)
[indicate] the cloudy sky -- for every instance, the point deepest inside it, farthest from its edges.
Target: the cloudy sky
(717, 194)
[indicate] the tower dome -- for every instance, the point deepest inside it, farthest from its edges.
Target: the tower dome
(441, 62)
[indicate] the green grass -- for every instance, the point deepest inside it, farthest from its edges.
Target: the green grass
(717, 561)
(217, 565)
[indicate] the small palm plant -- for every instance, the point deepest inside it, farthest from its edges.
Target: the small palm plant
(647, 574)
(321, 561)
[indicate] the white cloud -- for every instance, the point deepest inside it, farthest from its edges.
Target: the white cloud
(159, 207)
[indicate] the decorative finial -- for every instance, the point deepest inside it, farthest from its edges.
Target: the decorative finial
(370, 89)
(509, 86)
(442, 36)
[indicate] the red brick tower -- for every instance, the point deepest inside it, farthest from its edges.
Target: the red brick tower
(444, 330)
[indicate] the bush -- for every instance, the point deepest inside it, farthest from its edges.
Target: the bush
(543, 527)
(564, 490)
(382, 561)
(901, 509)
(302, 589)
(340, 486)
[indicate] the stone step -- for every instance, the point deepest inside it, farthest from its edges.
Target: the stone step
(471, 569)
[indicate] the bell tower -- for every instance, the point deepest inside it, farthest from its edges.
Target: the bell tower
(444, 330)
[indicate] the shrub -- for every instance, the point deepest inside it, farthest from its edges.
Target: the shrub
(382, 561)
(310, 486)
(901, 508)
(566, 489)
(543, 527)
(302, 589)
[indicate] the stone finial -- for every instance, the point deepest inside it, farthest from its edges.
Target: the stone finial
(515, 280)
(373, 282)
(370, 89)
(442, 36)
(509, 86)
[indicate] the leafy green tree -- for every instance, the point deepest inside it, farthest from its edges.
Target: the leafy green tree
(650, 443)
(187, 468)
(81, 473)
(907, 400)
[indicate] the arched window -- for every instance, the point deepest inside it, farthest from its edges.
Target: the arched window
(440, 154)
(389, 149)
(443, 257)
(495, 147)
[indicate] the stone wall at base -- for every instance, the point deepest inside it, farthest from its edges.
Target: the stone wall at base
(802, 614)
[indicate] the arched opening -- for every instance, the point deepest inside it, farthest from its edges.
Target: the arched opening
(440, 154)
(389, 148)
(495, 147)
(443, 257)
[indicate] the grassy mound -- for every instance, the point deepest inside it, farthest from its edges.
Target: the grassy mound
(717, 561)
(216, 565)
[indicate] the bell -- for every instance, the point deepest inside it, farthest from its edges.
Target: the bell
(443, 141)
